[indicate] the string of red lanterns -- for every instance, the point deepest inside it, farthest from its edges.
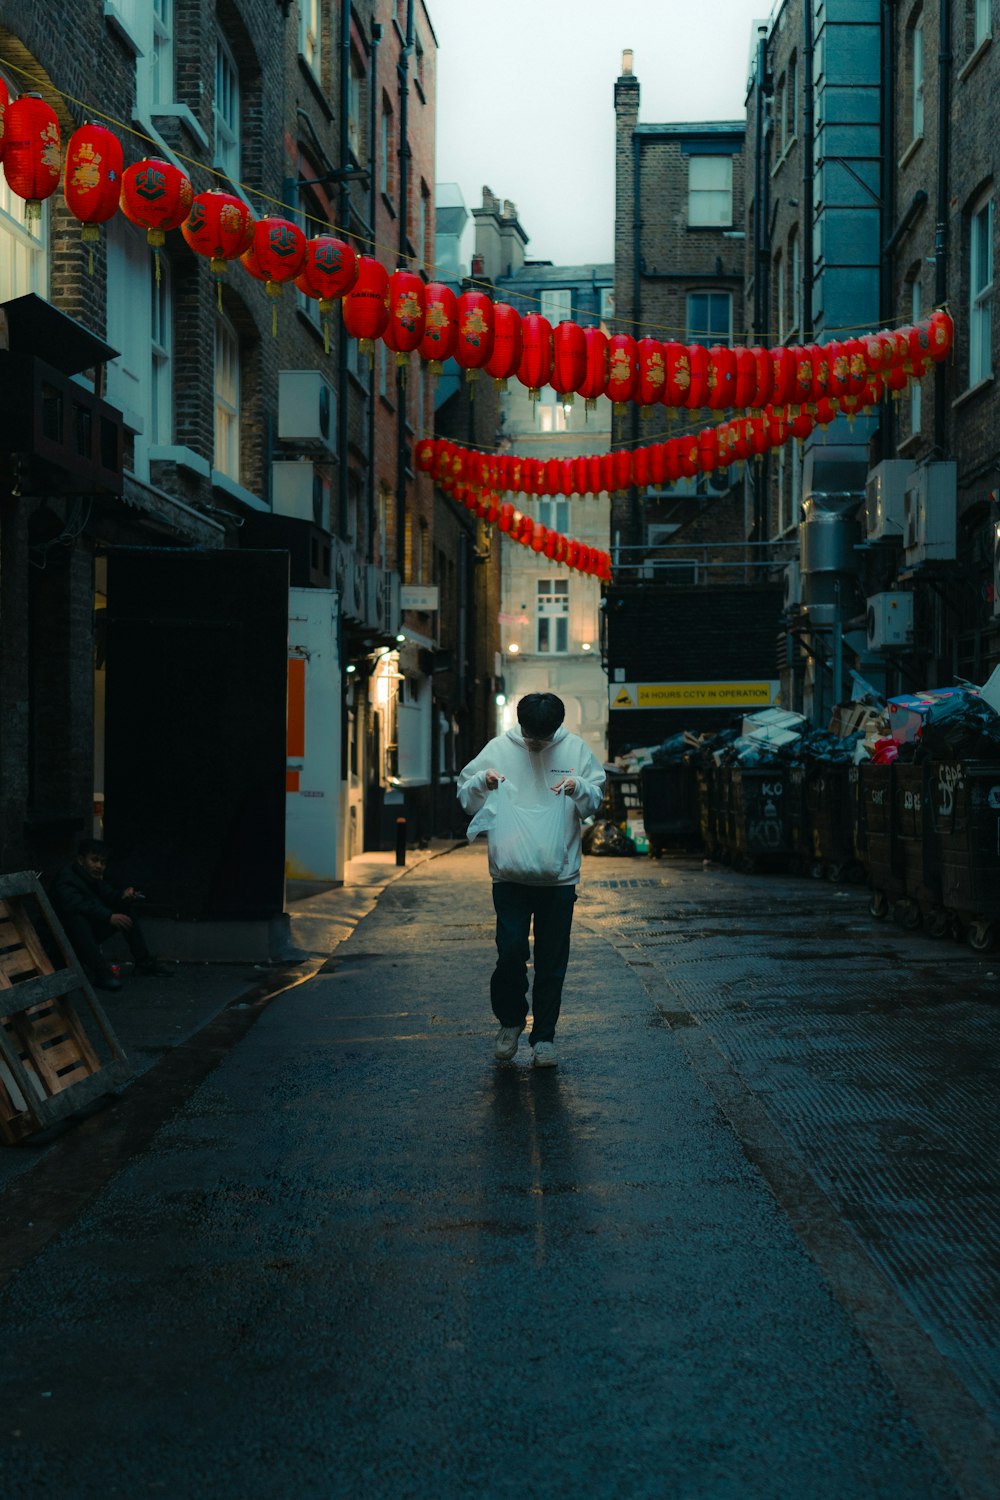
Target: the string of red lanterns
(519, 527)
(733, 441)
(411, 315)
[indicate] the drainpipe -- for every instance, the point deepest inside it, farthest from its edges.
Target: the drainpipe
(635, 527)
(808, 135)
(761, 261)
(344, 219)
(941, 227)
(887, 195)
(403, 70)
(372, 207)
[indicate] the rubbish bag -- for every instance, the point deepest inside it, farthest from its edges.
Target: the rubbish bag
(607, 838)
(526, 843)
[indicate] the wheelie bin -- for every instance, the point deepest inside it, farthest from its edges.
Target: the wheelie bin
(916, 852)
(964, 801)
(828, 816)
(669, 807)
(763, 815)
(884, 876)
(707, 820)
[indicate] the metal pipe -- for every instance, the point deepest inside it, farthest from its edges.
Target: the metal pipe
(403, 72)
(372, 209)
(941, 227)
(343, 215)
(808, 135)
(634, 516)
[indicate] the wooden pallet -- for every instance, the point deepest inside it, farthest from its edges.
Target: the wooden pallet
(51, 1062)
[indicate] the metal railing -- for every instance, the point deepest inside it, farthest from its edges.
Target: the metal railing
(686, 563)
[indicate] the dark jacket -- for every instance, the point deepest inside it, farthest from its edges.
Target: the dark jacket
(74, 893)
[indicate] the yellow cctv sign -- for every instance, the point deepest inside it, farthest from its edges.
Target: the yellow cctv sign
(692, 694)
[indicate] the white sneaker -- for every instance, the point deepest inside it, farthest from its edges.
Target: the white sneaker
(544, 1055)
(506, 1043)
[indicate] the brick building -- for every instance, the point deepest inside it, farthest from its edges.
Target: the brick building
(235, 459)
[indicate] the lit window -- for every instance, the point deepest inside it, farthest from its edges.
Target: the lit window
(917, 76)
(310, 36)
(227, 110)
(710, 191)
(982, 21)
(553, 615)
(980, 292)
(710, 317)
(557, 306)
(227, 400)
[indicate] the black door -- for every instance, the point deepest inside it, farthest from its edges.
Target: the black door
(194, 778)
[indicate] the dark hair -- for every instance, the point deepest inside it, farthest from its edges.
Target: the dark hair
(540, 714)
(92, 846)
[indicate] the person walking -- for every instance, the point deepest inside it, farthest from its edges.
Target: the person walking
(531, 788)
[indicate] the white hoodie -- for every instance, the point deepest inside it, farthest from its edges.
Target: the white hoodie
(534, 774)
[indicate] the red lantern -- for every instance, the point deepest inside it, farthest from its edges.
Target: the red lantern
(424, 455)
(708, 453)
(329, 271)
(93, 182)
(405, 327)
(802, 361)
(896, 381)
(440, 325)
(651, 359)
(697, 395)
(839, 368)
(506, 516)
(474, 341)
(506, 355)
(621, 468)
(746, 379)
(623, 371)
(31, 157)
(364, 307)
(276, 253)
(820, 357)
(607, 471)
(4, 102)
(940, 331)
(658, 471)
(784, 376)
(535, 369)
(594, 484)
(569, 360)
(721, 377)
(826, 412)
(537, 537)
(678, 362)
(765, 375)
(572, 553)
(156, 196)
(857, 366)
(640, 467)
(220, 227)
(595, 381)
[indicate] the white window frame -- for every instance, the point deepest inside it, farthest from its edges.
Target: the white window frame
(311, 36)
(916, 394)
(161, 59)
(552, 604)
(24, 248)
(226, 110)
(554, 514)
(226, 399)
(709, 335)
(161, 340)
(557, 305)
(981, 290)
(607, 312)
(917, 78)
(710, 206)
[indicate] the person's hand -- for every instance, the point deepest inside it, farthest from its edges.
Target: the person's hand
(128, 894)
(119, 919)
(493, 780)
(567, 785)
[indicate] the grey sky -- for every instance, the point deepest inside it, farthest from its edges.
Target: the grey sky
(524, 99)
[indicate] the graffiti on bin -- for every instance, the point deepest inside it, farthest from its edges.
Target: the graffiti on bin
(911, 801)
(949, 780)
(878, 796)
(764, 833)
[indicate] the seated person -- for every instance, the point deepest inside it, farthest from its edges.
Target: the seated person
(91, 910)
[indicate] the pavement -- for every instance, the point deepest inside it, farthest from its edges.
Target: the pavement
(739, 1246)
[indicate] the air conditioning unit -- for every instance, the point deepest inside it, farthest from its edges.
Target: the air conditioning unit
(792, 593)
(348, 578)
(307, 410)
(382, 612)
(885, 499)
(300, 489)
(931, 514)
(890, 621)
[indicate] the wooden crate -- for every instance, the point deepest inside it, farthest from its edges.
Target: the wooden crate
(51, 1063)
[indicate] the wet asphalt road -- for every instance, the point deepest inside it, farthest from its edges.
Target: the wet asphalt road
(739, 1247)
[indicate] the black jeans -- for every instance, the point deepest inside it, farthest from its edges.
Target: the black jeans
(87, 934)
(552, 908)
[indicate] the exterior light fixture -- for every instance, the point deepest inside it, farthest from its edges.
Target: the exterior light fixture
(585, 645)
(500, 699)
(401, 637)
(513, 648)
(350, 667)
